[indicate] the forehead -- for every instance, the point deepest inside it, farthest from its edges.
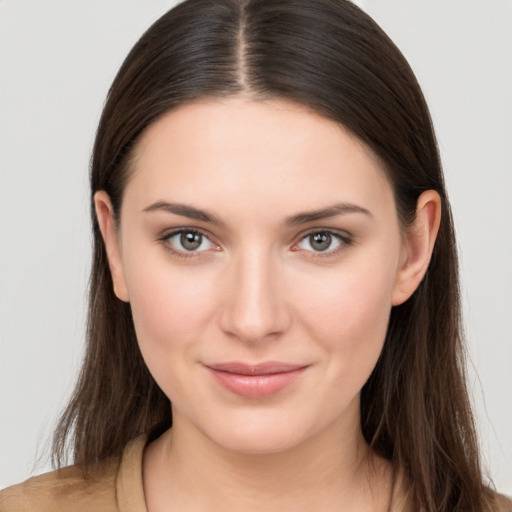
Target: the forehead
(254, 154)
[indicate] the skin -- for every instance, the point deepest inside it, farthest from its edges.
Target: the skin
(259, 289)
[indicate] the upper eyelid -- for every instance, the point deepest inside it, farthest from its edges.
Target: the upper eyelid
(168, 233)
(164, 240)
(342, 234)
(336, 232)
(344, 237)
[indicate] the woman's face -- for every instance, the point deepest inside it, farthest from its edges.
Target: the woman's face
(260, 250)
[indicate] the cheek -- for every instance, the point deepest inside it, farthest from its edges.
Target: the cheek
(171, 307)
(347, 314)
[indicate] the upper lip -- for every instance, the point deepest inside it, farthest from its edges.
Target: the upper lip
(264, 368)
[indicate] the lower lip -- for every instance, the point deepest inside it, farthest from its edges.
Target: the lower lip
(256, 386)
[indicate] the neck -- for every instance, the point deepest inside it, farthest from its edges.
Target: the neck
(333, 470)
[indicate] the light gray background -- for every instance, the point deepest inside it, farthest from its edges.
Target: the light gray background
(57, 59)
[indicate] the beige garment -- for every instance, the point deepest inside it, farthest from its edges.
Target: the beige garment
(112, 487)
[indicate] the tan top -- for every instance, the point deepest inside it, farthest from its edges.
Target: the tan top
(112, 487)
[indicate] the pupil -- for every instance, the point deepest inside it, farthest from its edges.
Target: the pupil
(190, 241)
(320, 241)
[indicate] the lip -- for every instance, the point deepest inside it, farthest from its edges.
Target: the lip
(255, 380)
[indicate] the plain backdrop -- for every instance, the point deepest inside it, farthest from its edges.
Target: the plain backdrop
(57, 60)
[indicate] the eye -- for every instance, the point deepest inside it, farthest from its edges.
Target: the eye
(321, 241)
(188, 241)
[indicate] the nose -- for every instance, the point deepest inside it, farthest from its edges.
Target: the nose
(254, 308)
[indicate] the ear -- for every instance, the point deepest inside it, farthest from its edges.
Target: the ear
(418, 246)
(109, 232)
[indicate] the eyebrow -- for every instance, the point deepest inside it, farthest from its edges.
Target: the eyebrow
(186, 211)
(326, 213)
(190, 212)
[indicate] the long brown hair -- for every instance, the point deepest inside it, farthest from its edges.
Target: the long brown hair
(333, 58)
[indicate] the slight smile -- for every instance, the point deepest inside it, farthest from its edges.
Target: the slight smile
(255, 381)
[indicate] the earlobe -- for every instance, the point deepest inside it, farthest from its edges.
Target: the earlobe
(418, 246)
(107, 225)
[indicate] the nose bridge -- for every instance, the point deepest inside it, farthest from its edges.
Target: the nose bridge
(254, 308)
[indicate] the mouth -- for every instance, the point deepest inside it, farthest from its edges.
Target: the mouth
(255, 381)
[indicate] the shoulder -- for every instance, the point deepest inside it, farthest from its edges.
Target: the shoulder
(402, 500)
(501, 503)
(112, 486)
(66, 489)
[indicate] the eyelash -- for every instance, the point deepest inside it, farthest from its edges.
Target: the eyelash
(165, 240)
(343, 238)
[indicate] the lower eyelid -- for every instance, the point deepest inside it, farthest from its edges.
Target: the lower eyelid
(165, 240)
(344, 239)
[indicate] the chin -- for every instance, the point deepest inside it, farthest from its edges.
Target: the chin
(258, 432)
(257, 442)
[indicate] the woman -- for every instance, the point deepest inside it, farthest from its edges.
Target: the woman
(274, 256)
